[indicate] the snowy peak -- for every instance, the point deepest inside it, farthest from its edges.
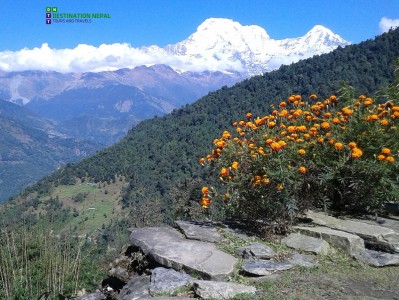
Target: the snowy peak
(320, 35)
(216, 36)
(226, 45)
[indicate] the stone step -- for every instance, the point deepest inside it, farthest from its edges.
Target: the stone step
(306, 243)
(168, 247)
(347, 242)
(376, 237)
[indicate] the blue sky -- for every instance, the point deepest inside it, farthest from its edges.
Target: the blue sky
(162, 22)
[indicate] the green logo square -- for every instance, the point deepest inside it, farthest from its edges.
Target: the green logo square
(54, 9)
(48, 9)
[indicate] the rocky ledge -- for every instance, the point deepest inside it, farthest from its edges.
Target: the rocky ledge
(186, 262)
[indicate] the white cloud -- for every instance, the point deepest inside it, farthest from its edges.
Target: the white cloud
(87, 58)
(386, 24)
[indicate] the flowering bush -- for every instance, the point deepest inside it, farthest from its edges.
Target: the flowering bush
(336, 153)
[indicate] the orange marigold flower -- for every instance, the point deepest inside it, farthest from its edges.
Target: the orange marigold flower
(234, 165)
(202, 161)
(302, 170)
(347, 111)
(331, 141)
(333, 98)
(390, 159)
(313, 96)
(356, 152)
(269, 141)
(298, 97)
(205, 202)
(301, 151)
(384, 122)
(373, 118)
(242, 123)
(325, 126)
(291, 99)
(251, 146)
(275, 146)
(224, 172)
(352, 145)
(272, 124)
(235, 124)
(266, 180)
(205, 190)
(320, 140)
(226, 135)
(368, 102)
(302, 128)
(249, 115)
(327, 115)
(381, 157)
(336, 121)
(362, 97)
(283, 113)
(386, 151)
(283, 104)
(282, 143)
(339, 146)
(280, 187)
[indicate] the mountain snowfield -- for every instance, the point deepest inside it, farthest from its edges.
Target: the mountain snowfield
(222, 44)
(217, 45)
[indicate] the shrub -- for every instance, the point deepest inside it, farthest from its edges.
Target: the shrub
(340, 153)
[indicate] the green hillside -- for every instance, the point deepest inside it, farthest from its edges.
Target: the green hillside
(160, 153)
(32, 146)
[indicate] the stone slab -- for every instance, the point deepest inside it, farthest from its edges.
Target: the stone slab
(262, 268)
(345, 241)
(221, 290)
(375, 236)
(169, 248)
(256, 250)
(168, 280)
(306, 243)
(135, 288)
(201, 231)
(378, 258)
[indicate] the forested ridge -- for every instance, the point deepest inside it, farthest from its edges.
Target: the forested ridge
(158, 153)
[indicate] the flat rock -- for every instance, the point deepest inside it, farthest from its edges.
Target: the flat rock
(262, 268)
(306, 243)
(377, 258)
(169, 248)
(345, 241)
(135, 288)
(303, 260)
(168, 280)
(221, 290)
(377, 237)
(256, 250)
(201, 231)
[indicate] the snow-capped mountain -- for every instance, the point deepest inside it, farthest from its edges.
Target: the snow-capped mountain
(217, 45)
(224, 45)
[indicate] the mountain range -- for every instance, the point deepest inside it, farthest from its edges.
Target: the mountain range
(100, 107)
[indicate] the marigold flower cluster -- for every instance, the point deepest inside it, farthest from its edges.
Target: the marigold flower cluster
(302, 132)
